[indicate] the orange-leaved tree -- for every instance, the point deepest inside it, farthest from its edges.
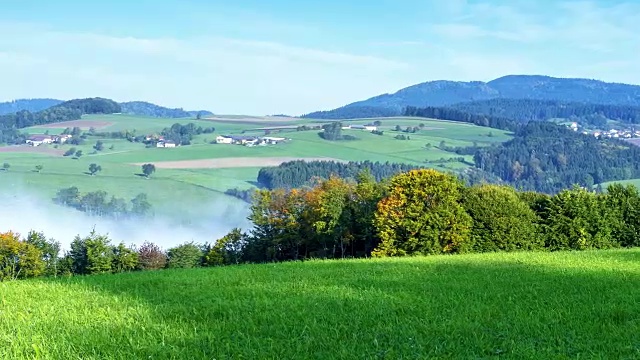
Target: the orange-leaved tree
(422, 214)
(326, 217)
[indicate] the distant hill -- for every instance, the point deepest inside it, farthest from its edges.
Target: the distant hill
(31, 105)
(132, 107)
(446, 93)
(149, 109)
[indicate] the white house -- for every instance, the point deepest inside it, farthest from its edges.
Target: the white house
(166, 144)
(363, 127)
(273, 140)
(37, 140)
(221, 139)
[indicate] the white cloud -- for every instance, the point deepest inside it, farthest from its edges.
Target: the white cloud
(221, 74)
(578, 24)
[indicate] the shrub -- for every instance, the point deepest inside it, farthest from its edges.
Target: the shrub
(187, 255)
(501, 220)
(151, 257)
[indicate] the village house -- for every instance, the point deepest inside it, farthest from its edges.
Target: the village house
(222, 139)
(166, 144)
(37, 140)
(367, 127)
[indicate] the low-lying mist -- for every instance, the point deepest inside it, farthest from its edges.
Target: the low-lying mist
(23, 212)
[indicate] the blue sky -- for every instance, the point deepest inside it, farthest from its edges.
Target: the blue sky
(286, 56)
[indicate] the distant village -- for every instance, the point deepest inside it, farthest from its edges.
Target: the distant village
(613, 133)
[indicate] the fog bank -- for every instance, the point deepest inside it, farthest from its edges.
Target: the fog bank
(22, 213)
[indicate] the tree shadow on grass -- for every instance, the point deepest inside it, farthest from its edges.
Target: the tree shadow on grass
(446, 307)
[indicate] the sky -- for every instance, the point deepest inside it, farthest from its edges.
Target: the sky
(292, 57)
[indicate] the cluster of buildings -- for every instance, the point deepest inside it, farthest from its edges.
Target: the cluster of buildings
(37, 140)
(613, 133)
(160, 141)
(249, 140)
(367, 127)
(621, 134)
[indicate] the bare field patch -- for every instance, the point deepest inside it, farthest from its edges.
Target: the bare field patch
(232, 162)
(31, 149)
(82, 124)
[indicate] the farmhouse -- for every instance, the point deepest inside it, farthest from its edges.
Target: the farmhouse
(166, 144)
(37, 140)
(272, 140)
(361, 127)
(222, 139)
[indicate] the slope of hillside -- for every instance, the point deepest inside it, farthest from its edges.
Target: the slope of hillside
(444, 93)
(31, 105)
(511, 305)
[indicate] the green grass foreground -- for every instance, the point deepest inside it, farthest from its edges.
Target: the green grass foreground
(565, 305)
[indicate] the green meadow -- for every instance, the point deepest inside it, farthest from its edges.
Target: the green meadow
(563, 305)
(179, 191)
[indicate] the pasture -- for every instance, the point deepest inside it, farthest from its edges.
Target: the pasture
(578, 305)
(199, 174)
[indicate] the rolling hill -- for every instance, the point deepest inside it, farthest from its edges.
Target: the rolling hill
(140, 108)
(511, 306)
(446, 93)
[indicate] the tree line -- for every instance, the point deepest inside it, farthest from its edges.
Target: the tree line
(525, 110)
(299, 173)
(424, 212)
(99, 203)
(419, 212)
(35, 255)
(452, 114)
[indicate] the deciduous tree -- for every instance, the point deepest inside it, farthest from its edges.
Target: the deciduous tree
(422, 215)
(94, 168)
(501, 220)
(148, 169)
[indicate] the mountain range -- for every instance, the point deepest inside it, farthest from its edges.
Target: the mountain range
(141, 108)
(446, 93)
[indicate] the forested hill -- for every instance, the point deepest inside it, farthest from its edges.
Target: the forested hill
(32, 105)
(446, 93)
(141, 108)
(69, 110)
(546, 157)
(149, 109)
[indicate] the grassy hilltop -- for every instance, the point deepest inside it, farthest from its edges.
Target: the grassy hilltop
(515, 306)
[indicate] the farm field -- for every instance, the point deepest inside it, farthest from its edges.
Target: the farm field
(189, 178)
(509, 305)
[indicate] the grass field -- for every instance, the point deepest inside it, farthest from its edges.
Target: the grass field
(566, 305)
(176, 189)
